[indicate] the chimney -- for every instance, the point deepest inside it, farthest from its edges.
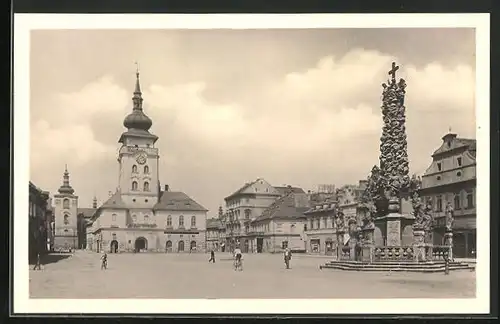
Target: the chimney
(166, 187)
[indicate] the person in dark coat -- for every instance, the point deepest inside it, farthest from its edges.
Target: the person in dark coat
(212, 256)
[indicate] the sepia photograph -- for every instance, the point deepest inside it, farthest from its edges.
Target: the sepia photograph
(223, 160)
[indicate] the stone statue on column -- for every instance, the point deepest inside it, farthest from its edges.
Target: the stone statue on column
(449, 217)
(448, 234)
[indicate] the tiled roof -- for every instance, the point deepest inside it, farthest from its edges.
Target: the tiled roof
(115, 201)
(284, 190)
(87, 212)
(283, 208)
(245, 186)
(176, 200)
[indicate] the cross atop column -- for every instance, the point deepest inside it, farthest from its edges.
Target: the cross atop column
(393, 70)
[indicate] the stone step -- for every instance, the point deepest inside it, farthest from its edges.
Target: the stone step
(397, 264)
(395, 269)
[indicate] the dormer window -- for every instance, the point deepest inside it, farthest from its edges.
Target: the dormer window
(439, 166)
(459, 161)
(134, 168)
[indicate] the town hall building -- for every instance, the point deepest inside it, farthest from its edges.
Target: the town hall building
(141, 215)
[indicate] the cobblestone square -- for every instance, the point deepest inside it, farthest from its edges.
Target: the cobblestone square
(160, 275)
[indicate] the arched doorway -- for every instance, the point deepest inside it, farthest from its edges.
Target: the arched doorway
(141, 244)
(192, 247)
(114, 246)
(168, 246)
(246, 246)
(180, 247)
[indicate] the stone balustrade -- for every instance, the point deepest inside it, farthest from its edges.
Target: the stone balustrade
(393, 253)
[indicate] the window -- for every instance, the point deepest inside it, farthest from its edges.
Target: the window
(439, 166)
(193, 221)
(113, 217)
(439, 204)
(292, 228)
(146, 169)
(146, 186)
(66, 203)
(284, 244)
(181, 221)
(146, 219)
(317, 223)
(470, 199)
(325, 222)
(66, 219)
(459, 161)
(134, 185)
(169, 220)
(305, 227)
(456, 201)
(311, 225)
(134, 168)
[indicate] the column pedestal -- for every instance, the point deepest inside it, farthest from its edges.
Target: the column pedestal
(368, 247)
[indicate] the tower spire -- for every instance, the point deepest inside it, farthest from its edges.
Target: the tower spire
(137, 98)
(94, 202)
(66, 187)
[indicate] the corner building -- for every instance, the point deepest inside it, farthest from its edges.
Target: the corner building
(140, 216)
(451, 178)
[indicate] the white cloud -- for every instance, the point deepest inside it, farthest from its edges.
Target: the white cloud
(327, 117)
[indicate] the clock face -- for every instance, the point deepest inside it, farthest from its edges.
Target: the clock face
(141, 158)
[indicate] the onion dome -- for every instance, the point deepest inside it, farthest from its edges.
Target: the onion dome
(66, 187)
(137, 119)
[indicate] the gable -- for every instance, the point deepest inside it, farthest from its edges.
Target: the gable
(260, 186)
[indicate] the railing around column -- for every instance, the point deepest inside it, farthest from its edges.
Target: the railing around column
(393, 253)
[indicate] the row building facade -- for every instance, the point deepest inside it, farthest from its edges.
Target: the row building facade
(40, 216)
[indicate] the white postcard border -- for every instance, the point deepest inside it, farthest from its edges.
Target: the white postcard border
(24, 23)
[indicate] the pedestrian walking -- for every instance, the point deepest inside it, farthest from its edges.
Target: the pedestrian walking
(104, 261)
(287, 256)
(37, 264)
(212, 256)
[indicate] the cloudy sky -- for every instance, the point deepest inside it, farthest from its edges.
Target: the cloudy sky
(298, 107)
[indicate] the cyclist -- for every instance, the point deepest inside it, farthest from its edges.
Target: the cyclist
(237, 257)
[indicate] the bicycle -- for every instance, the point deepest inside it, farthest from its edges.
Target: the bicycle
(238, 265)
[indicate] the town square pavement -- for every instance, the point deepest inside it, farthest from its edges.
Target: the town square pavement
(161, 275)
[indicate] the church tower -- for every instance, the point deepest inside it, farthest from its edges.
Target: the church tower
(65, 215)
(138, 158)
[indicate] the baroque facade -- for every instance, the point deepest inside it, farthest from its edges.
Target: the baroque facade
(141, 215)
(451, 179)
